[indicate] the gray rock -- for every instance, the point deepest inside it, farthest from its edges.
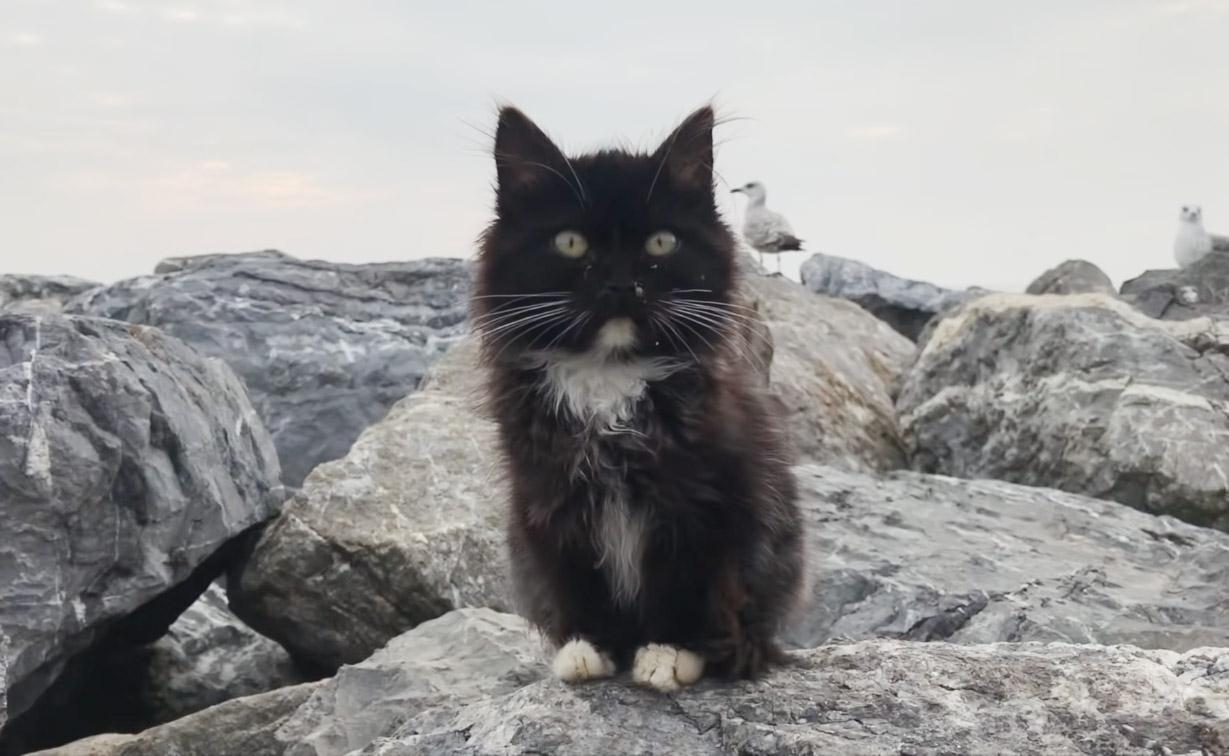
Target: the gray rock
(242, 727)
(319, 345)
(906, 557)
(464, 655)
(208, 656)
(1181, 294)
(1082, 393)
(475, 682)
(126, 461)
(39, 295)
(925, 557)
(407, 526)
(835, 369)
(904, 304)
(1073, 277)
(880, 697)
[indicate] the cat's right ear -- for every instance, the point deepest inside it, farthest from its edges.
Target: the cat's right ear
(524, 155)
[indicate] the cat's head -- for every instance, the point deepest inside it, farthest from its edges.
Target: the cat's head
(1190, 213)
(615, 254)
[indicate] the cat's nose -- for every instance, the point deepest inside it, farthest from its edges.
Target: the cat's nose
(625, 290)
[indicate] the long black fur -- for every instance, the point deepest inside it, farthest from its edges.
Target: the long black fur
(702, 458)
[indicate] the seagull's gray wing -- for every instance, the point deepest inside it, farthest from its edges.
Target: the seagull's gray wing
(766, 230)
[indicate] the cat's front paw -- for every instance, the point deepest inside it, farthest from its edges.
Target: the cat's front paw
(579, 660)
(666, 668)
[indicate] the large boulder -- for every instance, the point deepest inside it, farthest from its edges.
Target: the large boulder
(319, 345)
(127, 462)
(1073, 277)
(475, 682)
(902, 303)
(407, 526)
(1181, 294)
(1082, 393)
(39, 295)
(927, 557)
(835, 369)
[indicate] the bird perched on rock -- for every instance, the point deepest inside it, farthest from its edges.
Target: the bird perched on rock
(1193, 242)
(765, 230)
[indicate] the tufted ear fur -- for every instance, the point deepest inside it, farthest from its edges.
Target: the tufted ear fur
(524, 155)
(687, 154)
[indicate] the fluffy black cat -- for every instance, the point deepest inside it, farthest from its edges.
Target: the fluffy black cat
(653, 521)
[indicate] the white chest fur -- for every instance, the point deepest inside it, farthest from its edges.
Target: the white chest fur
(600, 392)
(603, 394)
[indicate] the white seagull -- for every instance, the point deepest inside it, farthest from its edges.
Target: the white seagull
(764, 229)
(1193, 243)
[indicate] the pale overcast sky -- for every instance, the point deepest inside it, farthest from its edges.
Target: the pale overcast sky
(958, 141)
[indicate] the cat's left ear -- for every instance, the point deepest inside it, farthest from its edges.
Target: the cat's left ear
(524, 155)
(687, 154)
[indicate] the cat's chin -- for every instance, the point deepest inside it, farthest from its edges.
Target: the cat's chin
(617, 335)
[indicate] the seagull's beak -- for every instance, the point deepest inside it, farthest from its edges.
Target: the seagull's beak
(736, 191)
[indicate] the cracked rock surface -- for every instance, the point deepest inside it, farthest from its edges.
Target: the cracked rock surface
(324, 348)
(475, 681)
(1078, 392)
(126, 461)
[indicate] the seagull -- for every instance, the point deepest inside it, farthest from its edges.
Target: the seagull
(1192, 242)
(764, 229)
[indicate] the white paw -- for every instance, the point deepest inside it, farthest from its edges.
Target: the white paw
(578, 661)
(665, 667)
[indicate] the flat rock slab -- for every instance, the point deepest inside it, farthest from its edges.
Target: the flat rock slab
(324, 348)
(1079, 392)
(872, 697)
(926, 557)
(476, 682)
(126, 461)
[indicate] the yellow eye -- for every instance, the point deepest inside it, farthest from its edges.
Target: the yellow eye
(661, 243)
(571, 244)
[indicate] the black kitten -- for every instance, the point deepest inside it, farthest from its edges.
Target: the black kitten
(653, 520)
